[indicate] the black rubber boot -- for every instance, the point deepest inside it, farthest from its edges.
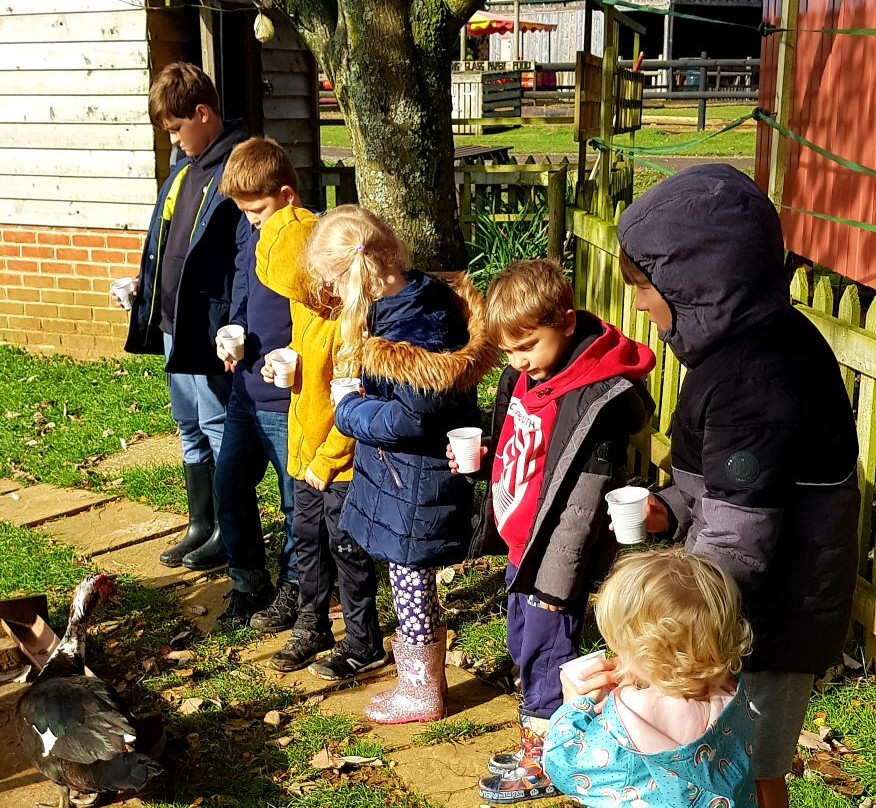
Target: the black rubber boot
(211, 554)
(199, 492)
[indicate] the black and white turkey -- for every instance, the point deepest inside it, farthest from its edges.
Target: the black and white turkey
(73, 727)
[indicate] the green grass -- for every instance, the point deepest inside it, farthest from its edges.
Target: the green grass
(537, 139)
(33, 565)
(449, 730)
(57, 413)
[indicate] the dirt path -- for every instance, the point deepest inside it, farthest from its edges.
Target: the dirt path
(121, 536)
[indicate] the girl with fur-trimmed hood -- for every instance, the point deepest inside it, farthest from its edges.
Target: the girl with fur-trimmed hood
(419, 343)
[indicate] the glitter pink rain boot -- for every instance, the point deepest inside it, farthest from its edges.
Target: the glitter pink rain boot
(421, 689)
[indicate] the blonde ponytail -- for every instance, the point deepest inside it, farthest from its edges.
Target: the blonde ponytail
(355, 242)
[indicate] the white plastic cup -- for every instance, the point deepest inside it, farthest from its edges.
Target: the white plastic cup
(627, 507)
(465, 443)
(123, 291)
(284, 361)
(575, 667)
(232, 337)
(344, 386)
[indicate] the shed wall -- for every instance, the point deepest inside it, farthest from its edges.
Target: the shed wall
(833, 106)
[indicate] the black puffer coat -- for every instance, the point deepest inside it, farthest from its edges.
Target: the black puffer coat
(764, 447)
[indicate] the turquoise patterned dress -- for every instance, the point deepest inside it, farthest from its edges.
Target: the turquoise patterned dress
(590, 758)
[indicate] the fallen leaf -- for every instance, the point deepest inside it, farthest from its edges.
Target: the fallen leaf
(811, 741)
(323, 760)
(315, 699)
(274, 718)
(196, 609)
(180, 656)
(445, 576)
(824, 765)
(284, 741)
(181, 636)
(191, 705)
(356, 760)
(185, 673)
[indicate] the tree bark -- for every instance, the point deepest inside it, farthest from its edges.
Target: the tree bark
(389, 63)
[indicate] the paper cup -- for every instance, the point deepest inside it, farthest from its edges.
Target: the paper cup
(285, 362)
(627, 507)
(341, 387)
(575, 667)
(465, 443)
(232, 337)
(123, 291)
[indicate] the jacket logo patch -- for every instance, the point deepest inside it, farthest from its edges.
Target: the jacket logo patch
(742, 468)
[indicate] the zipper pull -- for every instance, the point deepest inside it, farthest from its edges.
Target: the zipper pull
(392, 471)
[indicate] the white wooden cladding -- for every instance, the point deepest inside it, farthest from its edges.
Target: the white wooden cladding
(76, 144)
(113, 26)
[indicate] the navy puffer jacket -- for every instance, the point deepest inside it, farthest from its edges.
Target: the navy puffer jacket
(426, 352)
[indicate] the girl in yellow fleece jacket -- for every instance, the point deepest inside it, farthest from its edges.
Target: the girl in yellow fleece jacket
(321, 465)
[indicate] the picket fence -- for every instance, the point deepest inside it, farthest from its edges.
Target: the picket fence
(599, 288)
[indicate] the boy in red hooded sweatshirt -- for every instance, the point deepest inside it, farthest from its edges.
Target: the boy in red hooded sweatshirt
(566, 406)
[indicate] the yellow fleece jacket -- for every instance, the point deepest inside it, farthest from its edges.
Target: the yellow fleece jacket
(316, 337)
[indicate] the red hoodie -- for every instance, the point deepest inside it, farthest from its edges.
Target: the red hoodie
(518, 468)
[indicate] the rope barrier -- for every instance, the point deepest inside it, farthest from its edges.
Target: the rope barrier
(760, 115)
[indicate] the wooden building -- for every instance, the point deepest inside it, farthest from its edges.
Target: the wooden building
(817, 83)
(80, 162)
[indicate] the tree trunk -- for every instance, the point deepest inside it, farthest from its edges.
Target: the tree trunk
(389, 63)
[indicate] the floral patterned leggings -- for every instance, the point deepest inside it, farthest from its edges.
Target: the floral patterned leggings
(415, 596)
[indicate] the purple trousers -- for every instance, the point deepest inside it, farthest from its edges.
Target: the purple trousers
(539, 641)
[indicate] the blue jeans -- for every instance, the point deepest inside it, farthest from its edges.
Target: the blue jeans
(197, 404)
(253, 438)
(539, 641)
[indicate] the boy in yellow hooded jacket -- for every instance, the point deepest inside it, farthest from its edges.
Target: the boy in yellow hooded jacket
(321, 465)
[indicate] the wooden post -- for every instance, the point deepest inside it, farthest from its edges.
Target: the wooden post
(517, 29)
(701, 104)
(782, 104)
(208, 50)
(606, 111)
(556, 198)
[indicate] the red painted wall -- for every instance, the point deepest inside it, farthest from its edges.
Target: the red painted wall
(834, 106)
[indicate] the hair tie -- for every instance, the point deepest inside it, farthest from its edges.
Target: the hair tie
(360, 248)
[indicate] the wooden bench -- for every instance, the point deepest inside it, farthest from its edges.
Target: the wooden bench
(469, 155)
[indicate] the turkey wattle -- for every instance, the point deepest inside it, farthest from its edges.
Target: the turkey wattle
(74, 728)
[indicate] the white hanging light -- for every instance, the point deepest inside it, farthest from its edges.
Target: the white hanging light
(263, 27)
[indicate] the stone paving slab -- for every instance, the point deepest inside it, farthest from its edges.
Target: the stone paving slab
(162, 450)
(448, 773)
(7, 486)
(120, 524)
(467, 697)
(31, 506)
(142, 560)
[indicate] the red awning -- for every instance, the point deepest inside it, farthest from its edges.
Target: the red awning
(482, 23)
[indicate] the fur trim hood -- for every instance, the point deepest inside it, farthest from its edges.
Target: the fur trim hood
(408, 330)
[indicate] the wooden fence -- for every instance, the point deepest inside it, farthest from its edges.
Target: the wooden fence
(503, 192)
(599, 287)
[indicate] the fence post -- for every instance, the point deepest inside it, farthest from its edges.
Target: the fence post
(704, 81)
(556, 199)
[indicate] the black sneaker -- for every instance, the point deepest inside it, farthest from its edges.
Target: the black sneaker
(281, 614)
(301, 647)
(343, 664)
(242, 606)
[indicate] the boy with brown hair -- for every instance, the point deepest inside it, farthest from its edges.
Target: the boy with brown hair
(183, 293)
(261, 180)
(565, 408)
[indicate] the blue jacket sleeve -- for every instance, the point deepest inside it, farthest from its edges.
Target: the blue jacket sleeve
(388, 423)
(243, 264)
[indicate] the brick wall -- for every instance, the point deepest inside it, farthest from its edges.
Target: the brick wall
(54, 288)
